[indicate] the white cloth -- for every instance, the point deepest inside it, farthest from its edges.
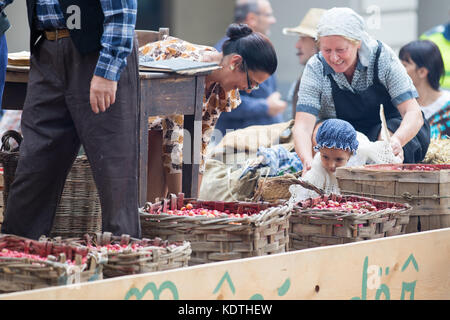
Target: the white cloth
(346, 22)
(437, 105)
(320, 178)
(378, 152)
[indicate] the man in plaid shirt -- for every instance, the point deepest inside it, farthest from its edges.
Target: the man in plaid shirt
(82, 89)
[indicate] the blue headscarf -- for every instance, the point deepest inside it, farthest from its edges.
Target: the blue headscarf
(338, 134)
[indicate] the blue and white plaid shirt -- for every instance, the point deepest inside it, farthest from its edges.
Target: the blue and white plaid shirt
(118, 33)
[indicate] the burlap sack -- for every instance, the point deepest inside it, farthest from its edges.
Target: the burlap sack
(221, 183)
(248, 140)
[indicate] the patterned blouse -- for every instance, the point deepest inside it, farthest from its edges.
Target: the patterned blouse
(440, 123)
(315, 94)
(215, 101)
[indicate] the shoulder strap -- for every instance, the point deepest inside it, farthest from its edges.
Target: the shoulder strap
(324, 63)
(377, 58)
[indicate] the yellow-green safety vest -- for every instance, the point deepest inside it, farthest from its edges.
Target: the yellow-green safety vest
(444, 46)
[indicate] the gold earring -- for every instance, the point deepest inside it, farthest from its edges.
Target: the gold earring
(232, 67)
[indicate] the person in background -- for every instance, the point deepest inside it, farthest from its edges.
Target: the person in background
(306, 46)
(349, 79)
(10, 119)
(67, 106)
(423, 62)
(259, 107)
(440, 35)
(4, 26)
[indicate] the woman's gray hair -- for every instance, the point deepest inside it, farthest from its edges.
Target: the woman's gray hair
(346, 23)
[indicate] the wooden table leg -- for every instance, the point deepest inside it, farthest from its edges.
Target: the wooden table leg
(143, 115)
(193, 143)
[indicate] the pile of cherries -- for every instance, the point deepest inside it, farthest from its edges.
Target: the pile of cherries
(350, 206)
(189, 210)
(7, 253)
(115, 248)
(417, 167)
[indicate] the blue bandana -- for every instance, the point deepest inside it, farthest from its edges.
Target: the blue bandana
(338, 134)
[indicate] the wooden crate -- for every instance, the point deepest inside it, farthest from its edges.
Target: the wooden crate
(428, 192)
(264, 231)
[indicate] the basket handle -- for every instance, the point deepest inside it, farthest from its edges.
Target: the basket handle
(310, 186)
(5, 140)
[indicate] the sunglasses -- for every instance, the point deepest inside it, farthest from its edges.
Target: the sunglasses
(249, 82)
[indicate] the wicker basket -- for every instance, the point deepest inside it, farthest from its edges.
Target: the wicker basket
(223, 237)
(149, 255)
(28, 273)
(428, 192)
(320, 227)
(9, 157)
(275, 189)
(79, 210)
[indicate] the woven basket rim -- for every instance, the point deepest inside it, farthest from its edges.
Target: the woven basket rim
(403, 209)
(54, 261)
(147, 244)
(148, 258)
(257, 219)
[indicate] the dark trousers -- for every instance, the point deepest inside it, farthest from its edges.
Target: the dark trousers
(57, 118)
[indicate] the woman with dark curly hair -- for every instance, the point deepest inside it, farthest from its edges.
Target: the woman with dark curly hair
(248, 58)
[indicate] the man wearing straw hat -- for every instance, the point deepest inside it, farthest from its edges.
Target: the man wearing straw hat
(306, 45)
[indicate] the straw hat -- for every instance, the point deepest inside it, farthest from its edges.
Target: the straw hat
(308, 26)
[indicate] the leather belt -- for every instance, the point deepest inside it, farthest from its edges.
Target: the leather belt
(56, 34)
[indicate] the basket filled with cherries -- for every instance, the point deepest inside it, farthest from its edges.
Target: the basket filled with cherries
(27, 264)
(218, 230)
(124, 255)
(337, 219)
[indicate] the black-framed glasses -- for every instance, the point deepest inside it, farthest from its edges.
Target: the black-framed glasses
(249, 82)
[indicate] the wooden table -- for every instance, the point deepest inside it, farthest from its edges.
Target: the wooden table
(160, 94)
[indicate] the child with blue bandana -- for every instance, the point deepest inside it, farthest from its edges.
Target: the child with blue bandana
(336, 143)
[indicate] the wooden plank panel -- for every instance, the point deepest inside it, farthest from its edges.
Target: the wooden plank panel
(359, 173)
(428, 206)
(175, 95)
(444, 190)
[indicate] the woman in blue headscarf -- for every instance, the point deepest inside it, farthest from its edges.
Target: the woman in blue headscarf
(349, 79)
